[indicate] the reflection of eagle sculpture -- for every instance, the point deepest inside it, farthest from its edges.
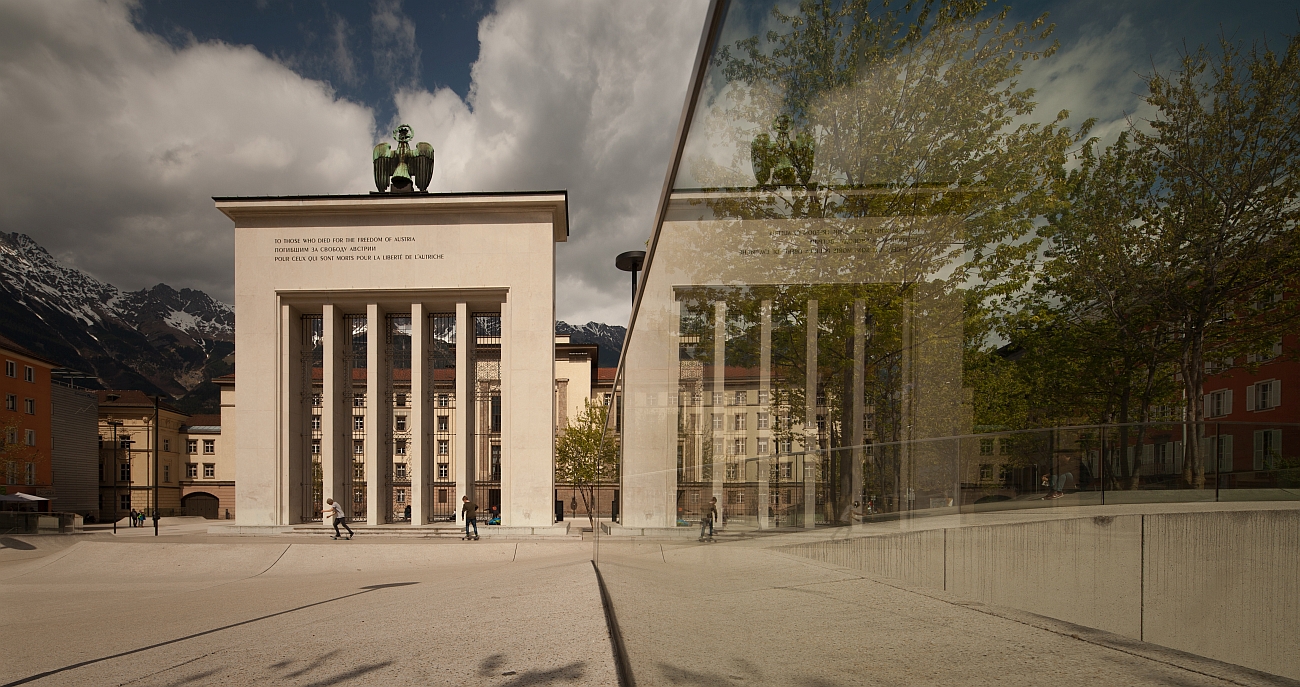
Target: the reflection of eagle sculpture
(782, 162)
(397, 168)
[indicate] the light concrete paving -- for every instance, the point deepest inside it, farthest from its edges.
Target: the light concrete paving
(737, 613)
(1218, 580)
(95, 610)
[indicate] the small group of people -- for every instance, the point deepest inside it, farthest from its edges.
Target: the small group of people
(137, 518)
(469, 511)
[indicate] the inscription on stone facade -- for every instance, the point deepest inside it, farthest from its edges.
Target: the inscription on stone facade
(324, 249)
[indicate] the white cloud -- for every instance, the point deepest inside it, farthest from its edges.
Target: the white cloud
(113, 142)
(574, 95)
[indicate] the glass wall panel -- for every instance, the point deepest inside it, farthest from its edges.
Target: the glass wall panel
(883, 296)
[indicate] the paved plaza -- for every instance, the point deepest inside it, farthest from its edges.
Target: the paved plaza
(191, 608)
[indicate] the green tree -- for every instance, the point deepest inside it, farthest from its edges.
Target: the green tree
(1225, 141)
(912, 163)
(586, 455)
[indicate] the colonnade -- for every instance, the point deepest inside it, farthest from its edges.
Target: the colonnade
(332, 389)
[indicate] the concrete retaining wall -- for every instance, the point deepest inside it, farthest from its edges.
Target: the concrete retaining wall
(1225, 585)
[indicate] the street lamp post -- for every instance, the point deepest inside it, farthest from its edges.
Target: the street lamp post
(631, 261)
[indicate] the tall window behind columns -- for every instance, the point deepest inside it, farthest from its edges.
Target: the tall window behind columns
(440, 400)
(313, 376)
(397, 354)
(487, 385)
(356, 401)
(378, 417)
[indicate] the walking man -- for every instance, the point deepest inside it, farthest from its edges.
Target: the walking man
(339, 518)
(470, 512)
(707, 521)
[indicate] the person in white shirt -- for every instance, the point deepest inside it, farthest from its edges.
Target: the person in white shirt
(339, 518)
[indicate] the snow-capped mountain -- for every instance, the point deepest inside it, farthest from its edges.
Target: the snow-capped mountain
(607, 337)
(156, 340)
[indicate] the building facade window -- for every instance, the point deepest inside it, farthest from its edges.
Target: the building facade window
(718, 398)
(399, 447)
(739, 421)
(444, 471)
(442, 423)
(762, 397)
(209, 470)
(124, 502)
(733, 472)
(717, 422)
(167, 473)
(762, 447)
(401, 496)
(444, 447)
(191, 446)
(1265, 395)
(315, 400)
(738, 447)
(742, 398)
(315, 447)
(315, 422)
(359, 401)
(30, 437)
(31, 474)
(443, 400)
(400, 423)
(400, 471)
(762, 421)
(125, 443)
(359, 423)
(124, 472)
(192, 470)
(399, 400)
(167, 445)
(11, 368)
(209, 447)
(29, 373)
(11, 402)
(1268, 448)
(1218, 403)
(29, 406)
(358, 448)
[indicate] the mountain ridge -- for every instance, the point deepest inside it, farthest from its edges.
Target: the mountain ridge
(158, 340)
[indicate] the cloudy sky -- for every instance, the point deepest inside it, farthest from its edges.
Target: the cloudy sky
(121, 119)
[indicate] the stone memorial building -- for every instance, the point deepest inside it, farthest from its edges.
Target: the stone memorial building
(398, 337)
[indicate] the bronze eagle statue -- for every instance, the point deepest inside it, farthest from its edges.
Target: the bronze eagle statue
(782, 162)
(395, 170)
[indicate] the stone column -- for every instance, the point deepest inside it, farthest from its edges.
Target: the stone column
(811, 457)
(466, 409)
(765, 391)
(419, 452)
(524, 503)
(336, 416)
(378, 414)
(857, 405)
(719, 459)
(295, 414)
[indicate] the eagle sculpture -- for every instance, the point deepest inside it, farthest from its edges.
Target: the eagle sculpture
(395, 170)
(782, 162)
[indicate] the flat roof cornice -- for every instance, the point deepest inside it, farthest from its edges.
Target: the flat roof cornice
(244, 208)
